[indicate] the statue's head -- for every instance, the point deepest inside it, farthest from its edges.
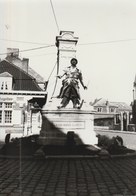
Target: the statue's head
(74, 61)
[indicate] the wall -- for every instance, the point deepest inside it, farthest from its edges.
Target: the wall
(104, 122)
(129, 138)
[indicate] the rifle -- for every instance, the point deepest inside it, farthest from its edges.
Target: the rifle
(81, 104)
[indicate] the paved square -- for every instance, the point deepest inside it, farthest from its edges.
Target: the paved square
(70, 177)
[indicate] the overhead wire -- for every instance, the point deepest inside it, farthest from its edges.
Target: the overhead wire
(108, 42)
(54, 15)
(101, 42)
(55, 18)
(24, 42)
(44, 54)
(26, 50)
(52, 70)
(55, 85)
(52, 45)
(46, 83)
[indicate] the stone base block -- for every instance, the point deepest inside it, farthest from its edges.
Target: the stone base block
(59, 126)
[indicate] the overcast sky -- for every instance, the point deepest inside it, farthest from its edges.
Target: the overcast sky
(106, 49)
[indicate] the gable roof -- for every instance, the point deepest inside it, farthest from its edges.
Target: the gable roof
(5, 74)
(100, 102)
(22, 80)
(121, 106)
(31, 72)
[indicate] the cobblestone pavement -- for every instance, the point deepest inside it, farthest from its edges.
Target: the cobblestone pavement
(70, 177)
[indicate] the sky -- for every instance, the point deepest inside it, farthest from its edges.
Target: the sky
(106, 49)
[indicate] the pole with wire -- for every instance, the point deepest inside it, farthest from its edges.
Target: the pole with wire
(57, 74)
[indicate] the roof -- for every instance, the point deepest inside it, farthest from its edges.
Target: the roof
(135, 81)
(31, 72)
(22, 80)
(40, 101)
(5, 74)
(100, 102)
(38, 78)
(121, 106)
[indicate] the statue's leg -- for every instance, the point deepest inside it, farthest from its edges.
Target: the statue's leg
(64, 102)
(60, 93)
(75, 102)
(66, 97)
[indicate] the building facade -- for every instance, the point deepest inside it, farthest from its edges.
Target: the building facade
(134, 103)
(115, 115)
(22, 95)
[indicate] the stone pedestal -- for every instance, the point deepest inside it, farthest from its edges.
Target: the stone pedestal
(57, 123)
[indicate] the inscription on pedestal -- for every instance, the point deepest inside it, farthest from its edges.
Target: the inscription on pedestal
(57, 123)
(70, 125)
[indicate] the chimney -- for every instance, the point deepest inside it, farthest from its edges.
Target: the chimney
(13, 57)
(107, 106)
(13, 52)
(25, 64)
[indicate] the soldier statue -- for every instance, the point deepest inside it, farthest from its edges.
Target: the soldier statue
(70, 85)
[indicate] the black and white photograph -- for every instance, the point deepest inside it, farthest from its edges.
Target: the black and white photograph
(67, 98)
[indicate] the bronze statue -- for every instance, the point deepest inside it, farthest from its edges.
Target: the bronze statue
(70, 88)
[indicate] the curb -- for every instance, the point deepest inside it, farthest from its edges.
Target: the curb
(69, 157)
(124, 155)
(15, 157)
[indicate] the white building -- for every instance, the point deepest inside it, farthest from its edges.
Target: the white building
(22, 95)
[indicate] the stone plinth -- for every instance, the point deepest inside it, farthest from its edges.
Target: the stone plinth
(57, 123)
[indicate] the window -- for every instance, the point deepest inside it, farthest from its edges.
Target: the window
(112, 110)
(8, 116)
(8, 105)
(5, 113)
(0, 113)
(99, 109)
(0, 116)
(130, 118)
(118, 118)
(4, 86)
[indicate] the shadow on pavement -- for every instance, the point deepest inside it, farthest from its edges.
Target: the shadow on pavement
(28, 146)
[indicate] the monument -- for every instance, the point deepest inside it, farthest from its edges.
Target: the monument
(60, 119)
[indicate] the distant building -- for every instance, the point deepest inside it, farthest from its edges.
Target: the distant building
(134, 103)
(115, 115)
(22, 95)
